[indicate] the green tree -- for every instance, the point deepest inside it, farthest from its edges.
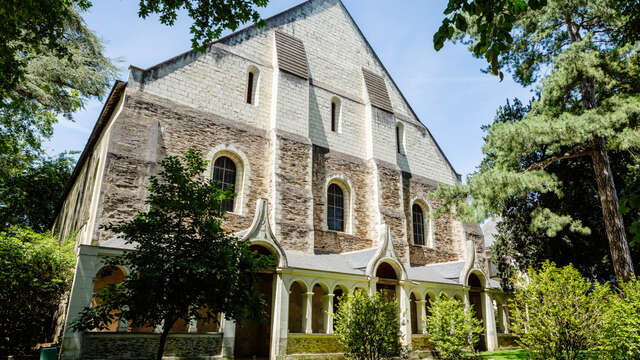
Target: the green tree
(556, 314)
(368, 327)
(31, 28)
(517, 247)
(50, 84)
(185, 265)
(28, 197)
(41, 28)
(588, 105)
(453, 330)
(35, 272)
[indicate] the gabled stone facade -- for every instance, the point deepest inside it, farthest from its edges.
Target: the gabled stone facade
(298, 106)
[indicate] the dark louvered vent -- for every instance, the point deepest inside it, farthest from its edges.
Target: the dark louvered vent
(291, 55)
(377, 90)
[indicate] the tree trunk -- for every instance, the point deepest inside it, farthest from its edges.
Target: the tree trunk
(163, 338)
(614, 226)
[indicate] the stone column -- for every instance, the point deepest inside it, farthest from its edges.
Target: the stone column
(228, 337)
(505, 318)
(280, 321)
(308, 312)
(372, 286)
(421, 315)
(328, 320)
(405, 316)
(158, 328)
(123, 324)
(490, 322)
(192, 328)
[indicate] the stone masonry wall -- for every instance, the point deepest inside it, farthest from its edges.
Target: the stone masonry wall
(294, 204)
(391, 207)
(446, 244)
(107, 346)
(357, 174)
(150, 128)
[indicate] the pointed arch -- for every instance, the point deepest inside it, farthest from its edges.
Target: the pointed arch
(260, 233)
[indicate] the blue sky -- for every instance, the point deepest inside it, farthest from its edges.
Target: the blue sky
(446, 89)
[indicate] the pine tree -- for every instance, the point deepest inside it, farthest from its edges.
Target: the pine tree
(588, 104)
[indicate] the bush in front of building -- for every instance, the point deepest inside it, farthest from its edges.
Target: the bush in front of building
(453, 329)
(35, 272)
(619, 336)
(368, 327)
(557, 314)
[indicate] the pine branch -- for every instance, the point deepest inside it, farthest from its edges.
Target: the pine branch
(567, 155)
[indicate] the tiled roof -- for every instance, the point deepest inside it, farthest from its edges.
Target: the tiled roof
(377, 90)
(292, 57)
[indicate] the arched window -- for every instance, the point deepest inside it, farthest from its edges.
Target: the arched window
(335, 114)
(224, 171)
(418, 225)
(335, 208)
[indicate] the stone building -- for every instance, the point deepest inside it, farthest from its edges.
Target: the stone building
(332, 170)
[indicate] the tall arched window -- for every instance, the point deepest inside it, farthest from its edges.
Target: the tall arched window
(335, 208)
(224, 171)
(418, 225)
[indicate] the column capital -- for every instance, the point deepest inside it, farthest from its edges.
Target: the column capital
(309, 293)
(421, 301)
(329, 295)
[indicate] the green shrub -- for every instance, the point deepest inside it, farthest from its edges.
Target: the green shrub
(368, 327)
(557, 314)
(452, 329)
(35, 272)
(620, 332)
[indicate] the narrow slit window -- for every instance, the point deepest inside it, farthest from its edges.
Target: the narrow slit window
(333, 116)
(418, 225)
(250, 88)
(398, 139)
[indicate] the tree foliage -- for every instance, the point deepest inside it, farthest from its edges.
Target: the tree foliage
(210, 17)
(588, 103)
(368, 327)
(453, 329)
(35, 272)
(32, 28)
(517, 246)
(185, 266)
(619, 337)
(557, 314)
(50, 85)
(28, 197)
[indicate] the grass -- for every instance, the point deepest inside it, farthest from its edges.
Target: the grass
(505, 355)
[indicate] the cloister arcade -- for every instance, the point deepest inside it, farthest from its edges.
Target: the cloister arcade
(302, 301)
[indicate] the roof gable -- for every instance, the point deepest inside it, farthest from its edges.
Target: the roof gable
(293, 45)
